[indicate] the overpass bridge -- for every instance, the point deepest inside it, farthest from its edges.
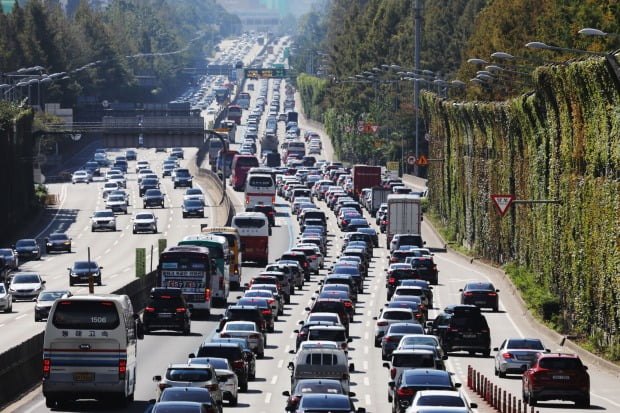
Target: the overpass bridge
(153, 131)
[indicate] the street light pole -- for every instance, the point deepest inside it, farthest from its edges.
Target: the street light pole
(416, 86)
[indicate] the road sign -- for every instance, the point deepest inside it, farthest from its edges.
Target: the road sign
(374, 127)
(264, 73)
(502, 202)
(360, 128)
(422, 161)
(411, 159)
(347, 128)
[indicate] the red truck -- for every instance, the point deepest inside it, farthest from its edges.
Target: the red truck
(365, 176)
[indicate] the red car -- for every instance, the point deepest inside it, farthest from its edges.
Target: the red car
(554, 376)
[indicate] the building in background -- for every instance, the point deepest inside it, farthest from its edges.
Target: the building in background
(265, 15)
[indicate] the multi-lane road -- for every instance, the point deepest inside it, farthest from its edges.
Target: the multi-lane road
(115, 252)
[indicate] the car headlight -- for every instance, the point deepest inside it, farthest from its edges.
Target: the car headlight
(49, 244)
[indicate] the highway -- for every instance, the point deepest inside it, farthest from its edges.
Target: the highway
(369, 381)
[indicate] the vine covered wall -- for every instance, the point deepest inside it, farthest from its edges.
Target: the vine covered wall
(559, 142)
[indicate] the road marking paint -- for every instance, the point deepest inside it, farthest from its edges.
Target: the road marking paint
(267, 398)
(365, 349)
(107, 251)
(274, 379)
(366, 381)
(366, 335)
(280, 363)
(115, 242)
(114, 276)
(367, 399)
(56, 277)
(127, 269)
(21, 316)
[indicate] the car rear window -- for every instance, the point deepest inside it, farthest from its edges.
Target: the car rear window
(475, 323)
(413, 360)
(431, 379)
(328, 307)
(230, 353)
(396, 315)
(327, 334)
(83, 315)
(321, 359)
(180, 374)
(560, 363)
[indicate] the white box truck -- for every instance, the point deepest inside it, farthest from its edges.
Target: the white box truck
(404, 215)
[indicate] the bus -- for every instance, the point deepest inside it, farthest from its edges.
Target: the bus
(243, 100)
(253, 228)
(90, 349)
(234, 246)
(260, 189)
(241, 164)
(234, 113)
(222, 95)
(191, 269)
(219, 253)
(214, 146)
(223, 165)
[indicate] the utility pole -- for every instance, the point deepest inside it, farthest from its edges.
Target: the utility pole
(416, 86)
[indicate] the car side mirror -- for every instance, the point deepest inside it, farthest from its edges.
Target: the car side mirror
(296, 331)
(495, 349)
(457, 385)
(496, 291)
(43, 282)
(386, 365)
(307, 308)
(156, 378)
(460, 289)
(444, 358)
(391, 384)
(290, 366)
(349, 340)
(286, 393)
(473, 405)
(361, 410)
(351, 368)
(191, 355)
(585, 367)
(374, 318)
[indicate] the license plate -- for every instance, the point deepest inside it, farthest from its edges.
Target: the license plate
(561, 377)
(83, 376)
(165, 315)
(479, 302)
(469, 336)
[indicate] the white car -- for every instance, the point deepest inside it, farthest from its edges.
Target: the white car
(228, 380)
(194, 193)
(247, 330)
(6, 299)
(424, 399)
(117, 203)
(103, 219)
(142, 165)
(80, 176)
(26, 286)
(144, 222)
(190, 375)
(389, 316)
(119, 180)
(109, 187)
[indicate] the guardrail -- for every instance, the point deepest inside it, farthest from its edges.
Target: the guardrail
(494, 395)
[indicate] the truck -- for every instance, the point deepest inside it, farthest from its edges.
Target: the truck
(292, 117)
(378, 195)
(404, 215)
(231, 125)
(269, 142)
(365, 176)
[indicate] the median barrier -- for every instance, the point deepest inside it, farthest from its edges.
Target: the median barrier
(494, 395)
(21, 366)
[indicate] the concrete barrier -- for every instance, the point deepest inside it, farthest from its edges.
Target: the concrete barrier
(21, 366)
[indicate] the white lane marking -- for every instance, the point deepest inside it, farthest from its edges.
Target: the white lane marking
(367, 399)
(56, 277)
(274, 379)
(21, 316)
(37, 407)
(365, 365)
(106, 252)
(280, 363)
(122, 233)
(127, 269)
(365, 349)
(267, 398)
(63, 197)
(115, 242)
(114, 276)
(366, 381)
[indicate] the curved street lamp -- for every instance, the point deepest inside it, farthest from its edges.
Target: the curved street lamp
(541, 45)
(596, 32)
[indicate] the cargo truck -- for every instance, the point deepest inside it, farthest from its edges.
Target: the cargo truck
(365, 176)
(378, 195)
(404, 215)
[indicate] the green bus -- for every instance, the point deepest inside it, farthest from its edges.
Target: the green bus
(219, 252)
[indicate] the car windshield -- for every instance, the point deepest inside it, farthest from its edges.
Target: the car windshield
(80, 265)
(104, 214)
(153, 192)
(193, 203)
(2, 290)
(324, 402)
(110, 185)
(406, 329)
(413, 378)
(116, 198)
(193, 374)
(193, 191)
(26, 243)
(51, 295)
(144, 216)
(5, 252)
(437, 400)
(240, 327)
(182, 173)
(26, 279)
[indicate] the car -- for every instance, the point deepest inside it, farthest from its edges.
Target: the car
(181, 177)
(153, 197)
(227, 379)
(390, 316)
(395, 332)
(462, 328)
(117, 203)
(444, 398)
(191, 375)
(131, 155)
(235, 355)
(515, 355)
(142, 165)
(119, 180)
(412, 381)
(10, 258)
(109, 187)
(265, 308)
(166, 309)
(333, 403)
(167, 169)
(92, 168)
(248, 355)
(194, 193)
(81, 176)
(556, 376)
(45, 300)
(26, 286)
(244, 313)
(82, 270)
(481, 294)
(421, 340)
(57, 241)
(178, 152)
(27, 249)
(146, 184)
(103, 219)
(193, 207)
(310, 386)
(144, 222)
(248, 330)
(6, 299)
(142, 173)
(267, 210)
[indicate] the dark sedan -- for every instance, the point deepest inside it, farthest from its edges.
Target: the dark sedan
(148, 183)
(153, 197)
(45, 300)
(309, 386)
(193, 208)
(57, 242)
(481, 294)
(82, 270)
(414, 380)
(28, 249)
(333, 403)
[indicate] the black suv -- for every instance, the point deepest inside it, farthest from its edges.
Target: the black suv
(462, 328)
(301, 258)
(331, 305)
(244, 313)
(153, 197)
(148, 183)
(394, 278)
(425, 269)
(167, 310)
(233, 352)
(267, 210)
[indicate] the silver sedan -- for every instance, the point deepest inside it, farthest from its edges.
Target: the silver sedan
(249, 331)
(515, 355)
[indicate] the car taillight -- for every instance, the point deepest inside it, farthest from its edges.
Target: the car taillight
(224, 335)
(211, 409)
(382, 323)
(405, 392)
(392, 280)
(384, 223)
(492, 294)
(247, 199)
(236, 268)
(207, 294)
(271, 301)
(393, 259)
(344, 346)
(392, 339)
(162, 386)
(450, 328)
(149, 309)
(348, 304)
(507, 355)
(181, 310)
(254, 336)
(468, 294)
(434, 268)
(212, 387)
(266, 311)
(313, 257)
(273, 200)
(345, 376)
(122, 369)
(305, 264)
(271, 212)
(239, 364)
(47, 366)
(393, 373)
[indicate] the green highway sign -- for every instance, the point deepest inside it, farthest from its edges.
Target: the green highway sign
(264, 73)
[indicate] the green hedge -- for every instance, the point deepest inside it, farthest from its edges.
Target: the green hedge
(561, 142)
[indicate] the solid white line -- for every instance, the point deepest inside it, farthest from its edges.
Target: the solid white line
(274, 379)
(267, 398)
(21, 316)
(36, 408)
(113, 276)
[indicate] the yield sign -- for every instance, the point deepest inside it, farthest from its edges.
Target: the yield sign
(422, 161)
(502, 202)
(374, 127)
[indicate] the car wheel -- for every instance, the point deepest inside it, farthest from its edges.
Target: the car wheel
(71, 283)
(134, 231)
(495, 309)
(187, 330)
(377, 342)
(233, 400)
(244, 386)
(36, 319)
(531, 400)
(184, 215)
(99, 282)
(50, 403)
(155, 230)
(9, 308)
(144, 205)
(260, 354)
(583, 402)
(486, 353)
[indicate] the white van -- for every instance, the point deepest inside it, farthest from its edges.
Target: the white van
(90, 349)
(321, 363)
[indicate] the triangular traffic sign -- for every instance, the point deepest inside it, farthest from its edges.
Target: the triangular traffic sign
(374, 127)
(422, 161)
(502, 202)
